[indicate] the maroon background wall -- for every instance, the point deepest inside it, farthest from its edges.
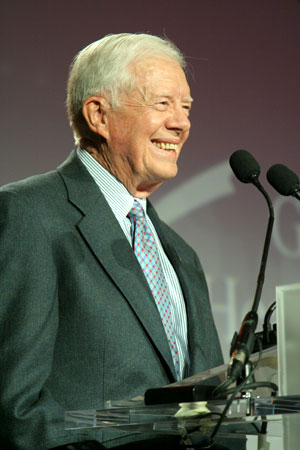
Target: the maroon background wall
(244, 76)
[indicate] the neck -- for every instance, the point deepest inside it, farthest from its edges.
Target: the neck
(137, 188)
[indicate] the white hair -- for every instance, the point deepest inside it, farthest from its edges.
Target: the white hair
(102, 68)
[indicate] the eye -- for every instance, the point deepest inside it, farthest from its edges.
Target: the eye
(187, 109)
(162, 105)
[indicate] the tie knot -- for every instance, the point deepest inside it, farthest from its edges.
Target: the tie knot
(136, 212)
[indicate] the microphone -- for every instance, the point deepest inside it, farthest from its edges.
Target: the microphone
(244, 166)
(284, 180)
(247, 170)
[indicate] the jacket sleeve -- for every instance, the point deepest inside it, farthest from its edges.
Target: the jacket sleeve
(29, 416)
(86, 445)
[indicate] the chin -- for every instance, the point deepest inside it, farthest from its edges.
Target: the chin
(160, 174)
(170, 172)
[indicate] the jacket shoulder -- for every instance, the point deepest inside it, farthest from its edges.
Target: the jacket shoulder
(32, 186)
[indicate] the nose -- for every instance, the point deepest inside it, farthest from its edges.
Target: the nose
(178, 119)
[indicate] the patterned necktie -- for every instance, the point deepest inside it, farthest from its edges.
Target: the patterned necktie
(145, 249)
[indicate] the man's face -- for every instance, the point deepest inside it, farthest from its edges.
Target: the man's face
(146, 133)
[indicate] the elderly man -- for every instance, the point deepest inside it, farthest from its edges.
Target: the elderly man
(100, 299)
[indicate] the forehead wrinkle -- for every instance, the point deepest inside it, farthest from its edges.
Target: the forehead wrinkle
(147, 74)
(146, 82)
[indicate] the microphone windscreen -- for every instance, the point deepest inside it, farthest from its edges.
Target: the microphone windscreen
(244, 166)
(284, 180)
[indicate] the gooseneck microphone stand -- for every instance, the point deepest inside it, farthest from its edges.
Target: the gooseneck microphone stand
(247, 170)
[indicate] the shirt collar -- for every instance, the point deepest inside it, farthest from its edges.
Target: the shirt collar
(115, 193)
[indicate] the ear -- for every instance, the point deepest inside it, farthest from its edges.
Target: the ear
(94, 111)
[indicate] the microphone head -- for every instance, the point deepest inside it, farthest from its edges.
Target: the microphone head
(244, 166)
(283, 180)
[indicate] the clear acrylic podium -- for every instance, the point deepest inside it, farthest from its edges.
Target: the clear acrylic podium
(279, 365)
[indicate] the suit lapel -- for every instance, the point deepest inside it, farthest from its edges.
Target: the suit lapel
(105, 238)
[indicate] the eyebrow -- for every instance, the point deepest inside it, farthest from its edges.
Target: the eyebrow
(185, 100)
(189, 99)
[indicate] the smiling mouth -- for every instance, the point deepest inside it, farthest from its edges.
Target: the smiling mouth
(165, 145)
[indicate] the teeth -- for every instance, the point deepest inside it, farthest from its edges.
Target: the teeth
(165, 145)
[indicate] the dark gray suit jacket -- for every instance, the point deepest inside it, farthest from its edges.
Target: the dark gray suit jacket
(79, 325)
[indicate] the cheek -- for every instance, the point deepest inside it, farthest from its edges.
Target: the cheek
(119, 138)
(120, 131)
(151, 122)
(156, 123)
